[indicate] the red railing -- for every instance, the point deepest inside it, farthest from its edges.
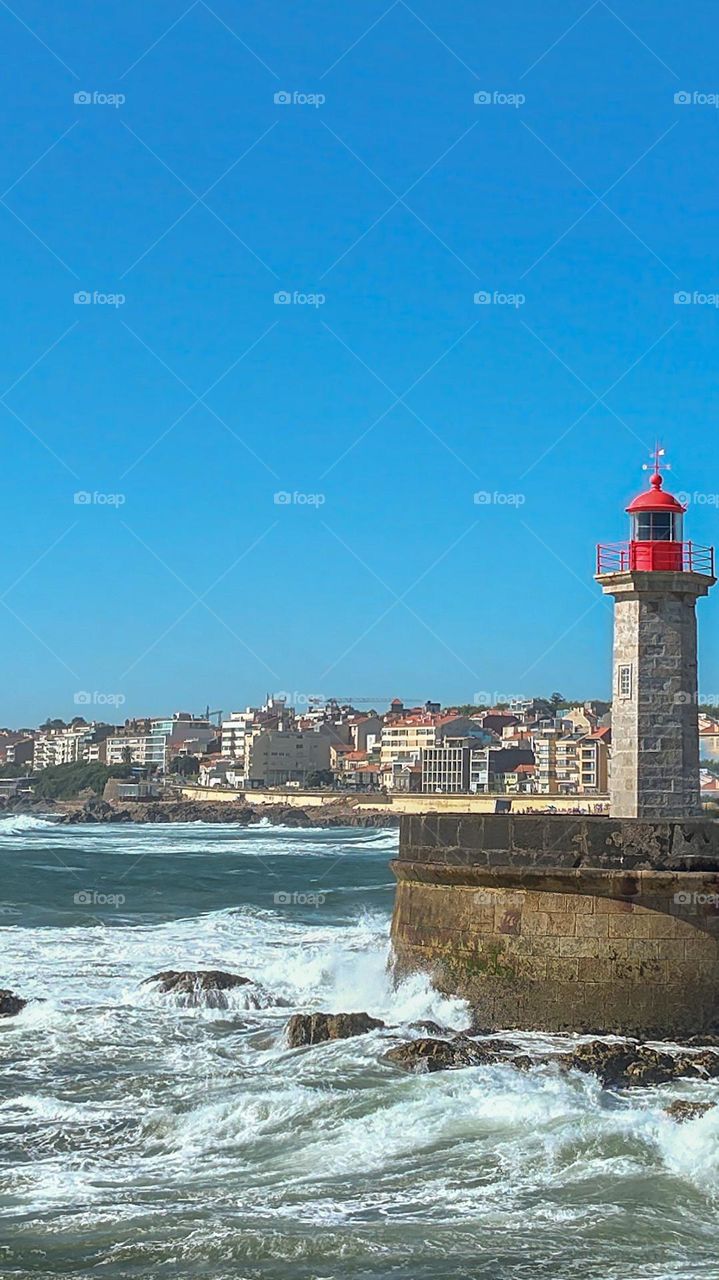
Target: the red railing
(685, 557)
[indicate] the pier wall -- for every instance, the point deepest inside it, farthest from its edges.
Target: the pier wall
(586, 924)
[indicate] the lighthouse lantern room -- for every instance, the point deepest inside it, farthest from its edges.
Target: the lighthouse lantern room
(655, 578)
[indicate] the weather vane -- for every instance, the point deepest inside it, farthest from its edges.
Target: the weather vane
(657, 466)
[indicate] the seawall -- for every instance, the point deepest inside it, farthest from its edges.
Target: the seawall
(398, 802)
(586, 924)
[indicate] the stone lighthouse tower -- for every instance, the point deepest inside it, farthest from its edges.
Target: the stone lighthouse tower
(655, 578)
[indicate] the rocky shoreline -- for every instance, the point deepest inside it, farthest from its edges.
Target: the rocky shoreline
(91, 810)
(618, 1064)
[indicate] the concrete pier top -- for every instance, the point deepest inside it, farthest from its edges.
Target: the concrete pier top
(560, 840)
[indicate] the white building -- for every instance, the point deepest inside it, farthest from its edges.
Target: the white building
(169, 736)
(79, 744)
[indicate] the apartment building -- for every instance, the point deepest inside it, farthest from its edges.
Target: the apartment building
(77, 744)
(495, 768)
(144, 749)
(445, 768)
(365, 732)
(167, 738)
(16, 748)
(277, 756)
(240, 725)
(572, 764)
(404, 738)
(594, 762)
(465, 765)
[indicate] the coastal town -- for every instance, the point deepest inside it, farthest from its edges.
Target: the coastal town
(524, 747)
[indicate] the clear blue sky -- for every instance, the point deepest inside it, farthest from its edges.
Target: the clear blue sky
(398, 199)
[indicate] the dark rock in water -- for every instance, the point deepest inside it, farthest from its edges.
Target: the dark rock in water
(316, 1028)
(618, 1066)
(682, 1110)
(625, 1064)
(523, 1062)
(10, 1004)
(198, 986)
(441, 1055)
(94, 810)
(191, 811)
(284, 815)
(430, 1028)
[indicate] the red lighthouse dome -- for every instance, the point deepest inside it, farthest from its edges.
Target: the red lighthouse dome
(656, 541)
(656, 499)
(657, 528)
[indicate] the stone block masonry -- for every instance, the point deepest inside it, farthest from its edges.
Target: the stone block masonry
(563, 924)
(655, 734)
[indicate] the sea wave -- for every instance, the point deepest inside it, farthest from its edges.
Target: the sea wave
(18, 823)
(141, 1136)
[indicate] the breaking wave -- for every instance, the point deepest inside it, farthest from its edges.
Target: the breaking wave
(146, 1136)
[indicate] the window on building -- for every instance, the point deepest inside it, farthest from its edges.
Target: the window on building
(624, 680)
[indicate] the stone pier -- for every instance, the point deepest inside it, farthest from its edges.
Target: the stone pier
(559, 923)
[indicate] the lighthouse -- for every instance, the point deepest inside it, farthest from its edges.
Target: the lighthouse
(656, 578)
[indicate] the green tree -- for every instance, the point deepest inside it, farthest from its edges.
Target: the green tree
(186, 766)
(319, 778)
(65, 781)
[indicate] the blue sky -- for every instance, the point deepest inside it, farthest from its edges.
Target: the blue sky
(394, 396)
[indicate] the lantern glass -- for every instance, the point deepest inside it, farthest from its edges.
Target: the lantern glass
(657, 526)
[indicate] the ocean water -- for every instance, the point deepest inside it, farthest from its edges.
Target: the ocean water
(140, 1138)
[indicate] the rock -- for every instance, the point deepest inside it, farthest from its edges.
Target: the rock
(192, 811)
(316, 1028)
(621, 1065)
(340, 813)
(10, 1004)
(627, 1064)
(198, 986)
(442, 1055)
(682, 1110)
(609, 1062)
(93, 810)
(430, 1028)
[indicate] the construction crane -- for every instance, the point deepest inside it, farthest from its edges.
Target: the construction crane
(209, 714)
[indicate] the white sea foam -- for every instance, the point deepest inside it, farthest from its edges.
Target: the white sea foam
(20, 823)
(203, 1136)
